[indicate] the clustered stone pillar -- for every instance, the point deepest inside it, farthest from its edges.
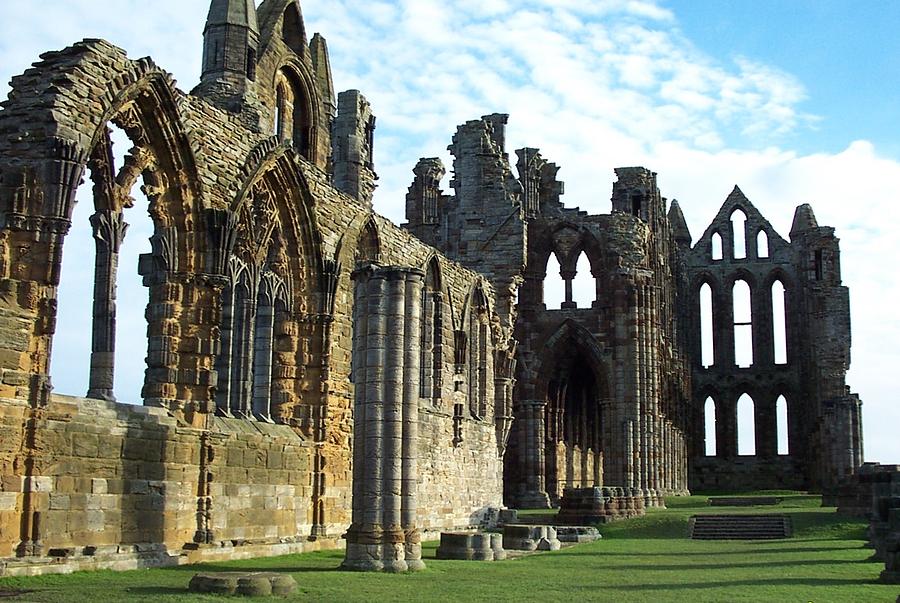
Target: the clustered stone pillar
(384, 535)
(532, 445)
(109, 231)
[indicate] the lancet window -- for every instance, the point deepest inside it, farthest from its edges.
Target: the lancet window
(254, 303)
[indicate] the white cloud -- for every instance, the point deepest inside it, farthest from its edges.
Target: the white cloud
(593, 84)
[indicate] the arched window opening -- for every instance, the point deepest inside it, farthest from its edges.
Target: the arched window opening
(293, 112)
(108, 291)
(781, 414)
(279, 111)
(707, 349)
(478, 356)
(762, 244)
(709, 423)
(554, 286)
(779, 323)
(301, 133)
(746, 426)
(739, 234)
(584, 286)
(743, 324)
(431, 350)
(255, 306)
(292, 30)
(368, 249)
(716, 246)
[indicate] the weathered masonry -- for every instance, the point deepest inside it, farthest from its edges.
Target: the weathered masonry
(316, 372)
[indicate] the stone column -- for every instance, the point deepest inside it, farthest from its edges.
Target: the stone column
(410, 450)
(109, 232)
(535, 494)
(384, 535)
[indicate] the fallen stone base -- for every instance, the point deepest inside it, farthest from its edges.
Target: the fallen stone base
(244, 584)
(577, 534)
(469, 546)
(520, 537)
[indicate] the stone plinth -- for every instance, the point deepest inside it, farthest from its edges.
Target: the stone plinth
(599, 505)
(884, 522)
(471, 547)
(577, 534)
(243, 584)
(519, 537)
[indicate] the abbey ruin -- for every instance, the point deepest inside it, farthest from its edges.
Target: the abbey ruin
(315, 372)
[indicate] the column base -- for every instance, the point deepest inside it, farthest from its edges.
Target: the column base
(381, 552)
(534, 500)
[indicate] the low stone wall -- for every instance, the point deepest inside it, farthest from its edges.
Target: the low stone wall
(744, 473)
(115, 485)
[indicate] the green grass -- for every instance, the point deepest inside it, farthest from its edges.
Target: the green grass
(644, 559)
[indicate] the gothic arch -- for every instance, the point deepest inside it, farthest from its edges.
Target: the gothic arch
(555, 344)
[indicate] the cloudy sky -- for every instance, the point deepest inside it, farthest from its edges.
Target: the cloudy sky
(794, 101)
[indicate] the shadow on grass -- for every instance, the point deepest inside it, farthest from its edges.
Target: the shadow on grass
(809, 582)
(243, 569)
(162, 591)
(718, 566)
(599, 552)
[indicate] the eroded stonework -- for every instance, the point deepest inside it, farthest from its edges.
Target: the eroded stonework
(315, 371)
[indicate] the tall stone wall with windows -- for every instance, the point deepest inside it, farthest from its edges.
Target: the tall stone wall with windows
(765, 351)
(243, 446)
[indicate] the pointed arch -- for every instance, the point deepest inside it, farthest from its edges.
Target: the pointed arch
(275, 258)
(432, 333)
(293, 29)
(479, 348)
(715, 246)
(554, 285)
(709, 426)
(746, 425)
(368, 246)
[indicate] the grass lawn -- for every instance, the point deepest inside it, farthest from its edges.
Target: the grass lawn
(644, 559)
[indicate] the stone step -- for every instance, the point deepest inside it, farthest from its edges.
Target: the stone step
(740, 527)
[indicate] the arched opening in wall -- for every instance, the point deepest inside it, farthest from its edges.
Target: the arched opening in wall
(781, 416)
(746, 426)
(111, 225)
(255, 309)
(715, 244)
(584, 286)
(739, 234)
(479, 352)
(707, 350)
(292, 29)
(762, 244)
(368, 249)
(293, 111)
(709, 426)
(779, 323)
(573, 426)
(554, 285)
(743, 324)
(431, 349)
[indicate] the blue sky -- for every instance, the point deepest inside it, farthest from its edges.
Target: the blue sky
(845, 53)
(794, 100)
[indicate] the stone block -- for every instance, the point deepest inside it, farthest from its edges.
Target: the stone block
(521, 537)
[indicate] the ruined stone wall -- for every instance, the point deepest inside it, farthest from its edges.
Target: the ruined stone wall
(823, 419)
(220, 186)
